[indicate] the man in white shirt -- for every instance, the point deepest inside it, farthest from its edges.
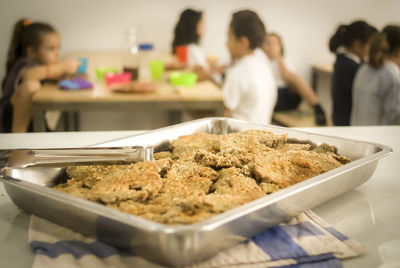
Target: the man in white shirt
(249, 89)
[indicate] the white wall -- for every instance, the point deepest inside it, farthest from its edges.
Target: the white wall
(305, 25)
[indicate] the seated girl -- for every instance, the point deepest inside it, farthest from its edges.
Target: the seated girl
(33, 56)
(188, 32)
(291, 87)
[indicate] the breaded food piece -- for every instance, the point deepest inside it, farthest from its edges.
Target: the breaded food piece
(192, 175)
(232, 189)
(218, 203)
(232, 181)
(164, 165)
(162, 155)
(238, 149)
(325, 148)
(230, 157)
(122, 182)
(269, 188)
(252, 140)
(184, 146)
(73, 186)
(89, 175)
(285, 169)
(293, 147)
(329, 149)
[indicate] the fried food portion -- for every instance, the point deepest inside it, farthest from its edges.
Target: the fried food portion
(184, 146)
(202, 175)
(110, 184)
(293, 166)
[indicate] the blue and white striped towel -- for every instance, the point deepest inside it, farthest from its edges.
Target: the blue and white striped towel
(304, 241)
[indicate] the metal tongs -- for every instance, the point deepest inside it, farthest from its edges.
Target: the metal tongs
(22, 158)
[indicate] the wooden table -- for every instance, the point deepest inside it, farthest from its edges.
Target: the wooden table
(204, 95)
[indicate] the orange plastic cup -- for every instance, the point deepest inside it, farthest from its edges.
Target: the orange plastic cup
(181, 52)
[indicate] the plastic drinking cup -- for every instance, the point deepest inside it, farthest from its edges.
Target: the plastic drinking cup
(181, 52)
(157, 69)
(100, 72)
(82, 68)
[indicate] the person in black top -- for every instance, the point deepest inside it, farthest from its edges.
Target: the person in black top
(351, 45)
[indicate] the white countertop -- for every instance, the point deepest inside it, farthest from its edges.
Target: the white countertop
(370, 213)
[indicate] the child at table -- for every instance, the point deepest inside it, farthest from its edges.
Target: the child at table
(33, 56)
(350, 43)
(249, 89)
(376, 97)
(188, 32)
(291, 87)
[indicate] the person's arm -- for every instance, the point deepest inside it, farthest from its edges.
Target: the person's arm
(22, 103)
(302, 88)
(227, 112)
(297, 83)
(51, 71)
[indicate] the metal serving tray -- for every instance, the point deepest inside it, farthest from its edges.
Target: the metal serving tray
(179, 245)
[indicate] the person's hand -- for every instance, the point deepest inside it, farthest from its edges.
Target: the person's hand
(71, 66)
(274, 52)
(212, 61)
(30, 86)
(175, 66)
(202, 74)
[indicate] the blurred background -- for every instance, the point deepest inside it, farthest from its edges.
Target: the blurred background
(305, 26)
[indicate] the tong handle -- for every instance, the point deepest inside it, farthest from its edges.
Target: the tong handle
(71, 156)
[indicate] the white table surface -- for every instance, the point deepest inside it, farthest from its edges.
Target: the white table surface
(370, 213)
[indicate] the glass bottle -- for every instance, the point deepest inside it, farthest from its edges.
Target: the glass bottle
(145, 55)
(130, 57)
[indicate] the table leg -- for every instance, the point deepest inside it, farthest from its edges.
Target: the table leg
(39, 124)
(314, 79)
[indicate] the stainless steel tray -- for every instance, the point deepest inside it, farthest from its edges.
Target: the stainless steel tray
(178, 245)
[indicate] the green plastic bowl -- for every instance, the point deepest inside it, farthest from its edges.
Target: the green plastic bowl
(183, 79)
(100, 72)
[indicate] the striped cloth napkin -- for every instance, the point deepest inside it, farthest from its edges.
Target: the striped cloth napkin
(304, 241)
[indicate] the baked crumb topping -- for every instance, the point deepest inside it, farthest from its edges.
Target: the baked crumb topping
(202, 175)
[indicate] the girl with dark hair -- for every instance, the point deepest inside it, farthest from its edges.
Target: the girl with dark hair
(33, 56)
(188, 32)
(351, 44)
(291, 87)
(189, 29)
(376, 98)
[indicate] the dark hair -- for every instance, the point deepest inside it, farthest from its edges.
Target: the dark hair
(186, 29)
(247, 23)
(345, 35)
(25, 34)
(384, 44)
(280, 42)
